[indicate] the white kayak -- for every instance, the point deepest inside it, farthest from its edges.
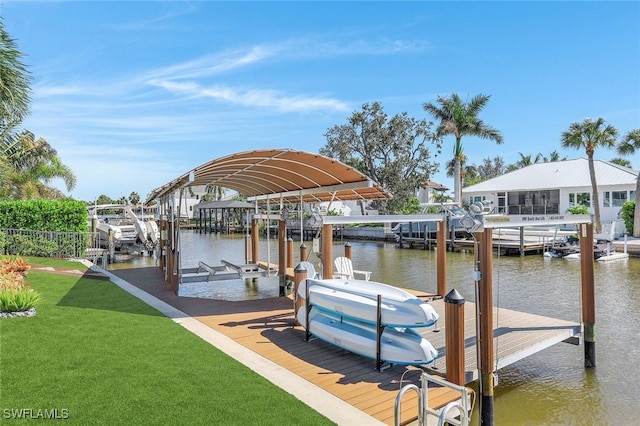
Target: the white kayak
(397, 345)
(357, 300)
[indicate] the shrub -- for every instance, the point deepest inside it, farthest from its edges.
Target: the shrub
(18, 300)
(627, 214)
(15, 294)
(578, 209)
(15, 264)
(12, 281)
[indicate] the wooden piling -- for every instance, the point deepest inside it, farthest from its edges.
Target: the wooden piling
(282, 256)
(347, 250)
(289, 252)
(327, 251)
(485, 318)
(303, 252)
(588, 294)
(454, 340)
(299, 274)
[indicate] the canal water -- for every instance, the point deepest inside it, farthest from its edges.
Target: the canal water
(551, 387)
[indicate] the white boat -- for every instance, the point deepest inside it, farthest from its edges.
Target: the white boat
(603, 251)
(357, 300)
(121, 229)
(397, 345)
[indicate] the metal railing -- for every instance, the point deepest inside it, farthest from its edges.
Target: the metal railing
(76, 245)
(462, 405)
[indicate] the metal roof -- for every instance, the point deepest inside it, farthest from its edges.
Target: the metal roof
(279, 174)
(557, 174)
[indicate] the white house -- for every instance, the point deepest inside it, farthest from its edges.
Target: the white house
(426, 194)
(552, 188)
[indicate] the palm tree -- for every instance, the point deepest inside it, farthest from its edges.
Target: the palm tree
(590, 135)
(553, 156)
(27, 167)
(524, 161)
(459, 118)
(630, 142)
(216, 191)
(621, 162)
(14, 90)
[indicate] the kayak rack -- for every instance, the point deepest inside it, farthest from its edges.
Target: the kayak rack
(381, 365)
(463, 405)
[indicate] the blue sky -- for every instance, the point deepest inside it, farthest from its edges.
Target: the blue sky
(134, 94)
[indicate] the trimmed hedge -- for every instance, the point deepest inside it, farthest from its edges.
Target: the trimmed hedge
(44, 215)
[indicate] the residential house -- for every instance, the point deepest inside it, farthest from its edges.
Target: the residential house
(553, 188)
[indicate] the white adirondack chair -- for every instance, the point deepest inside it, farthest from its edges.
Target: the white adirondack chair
(344, 269)
(311, 270)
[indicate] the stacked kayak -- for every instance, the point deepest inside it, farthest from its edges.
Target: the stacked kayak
(353, 314)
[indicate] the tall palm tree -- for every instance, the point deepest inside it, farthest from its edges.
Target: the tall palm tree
(590, 135)
(459, 118)
(628, 145)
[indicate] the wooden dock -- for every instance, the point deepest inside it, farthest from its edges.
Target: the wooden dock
(505, 245)
(516, 336)
(267, 327)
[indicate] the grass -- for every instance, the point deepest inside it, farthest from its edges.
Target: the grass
(96, 355)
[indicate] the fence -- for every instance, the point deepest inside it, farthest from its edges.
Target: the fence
(76, 245)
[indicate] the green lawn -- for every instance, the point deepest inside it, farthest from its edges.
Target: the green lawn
(97, 355)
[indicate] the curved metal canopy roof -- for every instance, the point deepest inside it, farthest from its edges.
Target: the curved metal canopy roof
(279, 174)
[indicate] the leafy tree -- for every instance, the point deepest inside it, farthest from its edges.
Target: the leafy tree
(489, 169)
(590, 135)
(628, 145)
(393, 152)
(459, 118)
(104, 199)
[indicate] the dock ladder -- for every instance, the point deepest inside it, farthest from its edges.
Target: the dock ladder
(462, 405)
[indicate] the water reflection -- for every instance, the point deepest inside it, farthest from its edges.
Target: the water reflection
(551, 387)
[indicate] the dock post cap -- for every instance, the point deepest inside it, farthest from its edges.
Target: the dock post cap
(303, 245)
(454, 297)
(299, 268)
